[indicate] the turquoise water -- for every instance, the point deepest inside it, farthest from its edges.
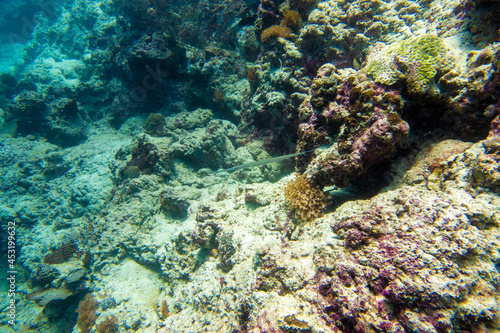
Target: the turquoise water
(9, 64)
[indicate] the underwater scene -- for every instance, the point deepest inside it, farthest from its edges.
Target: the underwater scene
(260, 166)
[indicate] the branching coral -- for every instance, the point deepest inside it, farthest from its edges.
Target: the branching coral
(273, 32)
(305, 198)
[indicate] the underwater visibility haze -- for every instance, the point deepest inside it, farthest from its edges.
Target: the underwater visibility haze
(234, 166)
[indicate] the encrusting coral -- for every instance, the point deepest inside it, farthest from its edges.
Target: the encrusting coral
(363, 117)
(305, 198)
(417, 60)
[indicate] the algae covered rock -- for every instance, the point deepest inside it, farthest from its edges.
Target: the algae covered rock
(59, 120)
(28, 110)
(65, 124)
(155, 124)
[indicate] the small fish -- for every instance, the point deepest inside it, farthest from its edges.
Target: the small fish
(261, 162)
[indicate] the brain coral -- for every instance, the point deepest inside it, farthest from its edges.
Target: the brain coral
(417, 60)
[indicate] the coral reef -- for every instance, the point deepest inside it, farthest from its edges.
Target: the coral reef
(363, 117)
(358, 262)
(117, 116)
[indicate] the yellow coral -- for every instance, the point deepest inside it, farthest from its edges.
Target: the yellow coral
(305, 198)
(291, 19)
(275, 31)
(416, 59)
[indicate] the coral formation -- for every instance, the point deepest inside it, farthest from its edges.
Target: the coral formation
(430, 158)
(417, 60)
(226, 250)
(486, 168)
(28, 109)
(57, 119)
(291, 19)
(305, 198)
(143, 159)
(60, 254)
(274, 32)
(87, 313)
(374, 145)
(154, 124)
(44, 275)
(394, 274)
(361, 115)
(108, 325)
(380, 274)
(116, 116)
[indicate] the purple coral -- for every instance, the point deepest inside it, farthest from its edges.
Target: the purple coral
(375, 144)
(144, 158)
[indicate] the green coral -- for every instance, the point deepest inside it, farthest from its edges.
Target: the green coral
(417, 60)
